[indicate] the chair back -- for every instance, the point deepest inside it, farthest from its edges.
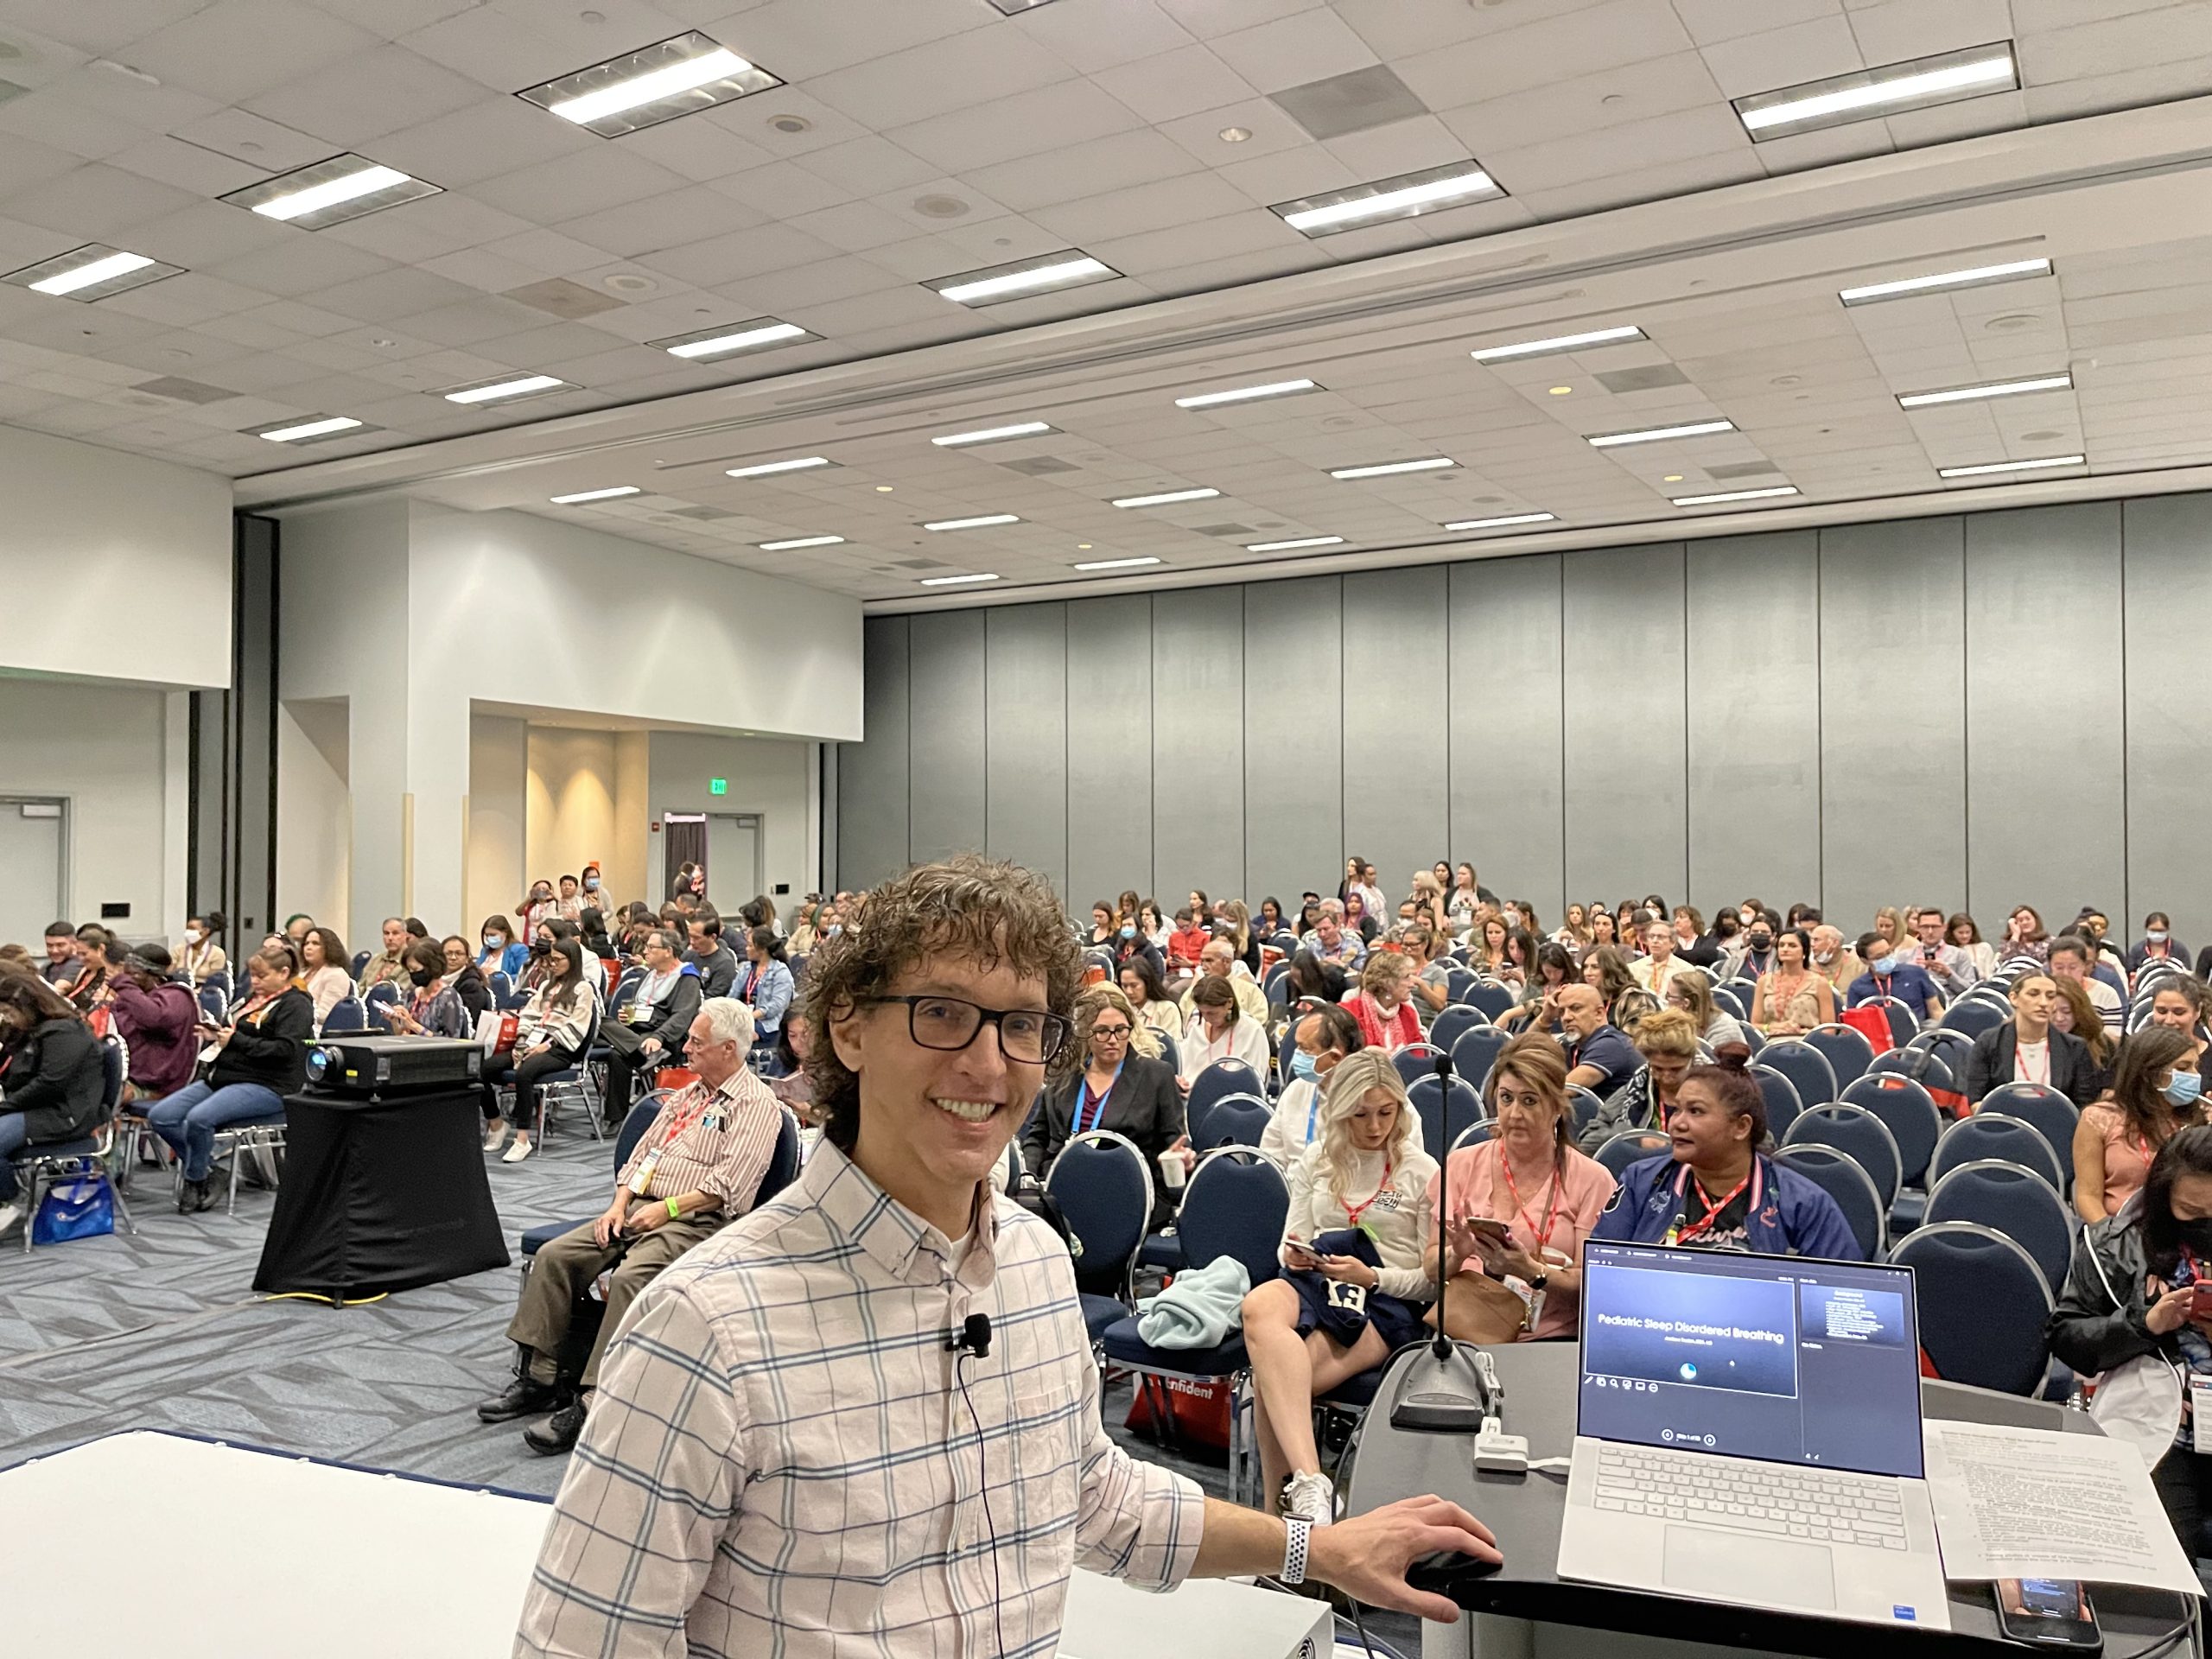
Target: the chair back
(1492, 1000)
(1781, 1096)
(1235, 1205)
(384, 991)
(346, 1014)
(783, 1161)
(1454, 1022)
(115, 1067)
(1172, 1056)
(499, 984)
(2048, 1110)
(373, 1013)
(638, 1120)
(1102, 1185)
(1983, 1303)
(1904, 1019)
(1234, 1120)
(1416, 1061)
(1992, 1134)
(1444, 1112)
(1847, 1052)
(2016, 1202)
(1859, 1132)
(1275, 974)
(1583, 1104)
(221, 980)
(1840, 1175)
(1729, 1003)
(1225, 1077)
(1971, 1015)
(1908, 1111)
(1474, 1050)
(1458, 981)
(1807, 1068)
(1630, 1146)
(214, 1003)
(360, 961)
(1475, 1134)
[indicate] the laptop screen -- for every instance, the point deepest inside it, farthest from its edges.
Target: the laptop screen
(1782, 1359)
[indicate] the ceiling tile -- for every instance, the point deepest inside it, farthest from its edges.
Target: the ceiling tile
(1776, 58)
(604, 176)
(1003, 129)
(236, 48)
(249, 138)
(1178, 83)
(663, 221)
(1091, 38)
(94, 202)
(1085, 169)
(355, 103)
(932, 79)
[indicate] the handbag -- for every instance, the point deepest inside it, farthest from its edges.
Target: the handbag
(83, 1208)
(496, 1031)
(1870, 1022)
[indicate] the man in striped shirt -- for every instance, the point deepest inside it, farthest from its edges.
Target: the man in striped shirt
(865, 1417)
(695, 1169)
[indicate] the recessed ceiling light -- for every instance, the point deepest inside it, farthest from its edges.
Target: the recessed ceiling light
(2060, 381)
(1284, 547)
(977, 522)
(992, 434)
(2015, 271)
(1735, 495)
(90, 272)
(797, 542)
(883, 489)
(595, 495)
(2012, 467)
(1434, 464)
(1248, 394)
(1165, 497)
(1561, 391)
(492, 391)
(1672, 478)
(690, 72)
(1235, 134)
(329, 192)
(1070, 268)
(1557, 343)
(954, 582)
(315, 426)
(1115, 564)
(762, 469)
(1406, 196)
(1916, 84)
(1500, 524)
(1657, 434)
(704, 343)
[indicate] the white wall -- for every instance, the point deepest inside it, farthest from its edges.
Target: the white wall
(766, 776)
(315, 812)
(499, 769)
(111, 562)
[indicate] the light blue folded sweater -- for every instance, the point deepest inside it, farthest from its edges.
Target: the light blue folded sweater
(1200, 1309)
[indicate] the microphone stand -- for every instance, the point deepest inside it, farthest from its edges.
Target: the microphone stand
(1444, 1391)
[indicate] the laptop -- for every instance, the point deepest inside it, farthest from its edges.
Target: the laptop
(1747, 1430)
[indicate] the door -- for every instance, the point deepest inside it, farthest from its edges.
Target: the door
(33, 869)
(733, 860)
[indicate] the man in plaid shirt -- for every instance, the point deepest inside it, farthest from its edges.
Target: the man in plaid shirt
(789, 1454)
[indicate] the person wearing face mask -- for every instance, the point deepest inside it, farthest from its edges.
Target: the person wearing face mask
(1891, 972)
(1322, 1039)
(2157, 944)
(2027, 1048)
(201, 955)
(1130, 942)
(2129, 1296)
(2179, 1003)
(432, 1008)
(1756, 959)
(2155, 1093)
(1667, 1041)
(1382, 1006)
(1833, 960)
(539, 905)
(504, 951)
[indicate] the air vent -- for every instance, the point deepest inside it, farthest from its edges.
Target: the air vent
(1349, 103)
(1742, 469)
(558, 297)
(1040, 466)
(1649, 378)
(1223, 530)
(177, 388)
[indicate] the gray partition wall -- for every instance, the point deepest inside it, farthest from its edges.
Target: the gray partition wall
(1974, 711)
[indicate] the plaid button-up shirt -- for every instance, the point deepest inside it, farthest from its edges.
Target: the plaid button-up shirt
(781, 1459)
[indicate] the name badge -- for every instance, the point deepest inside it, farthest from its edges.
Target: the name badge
(2200, 1412)
(641, 1183)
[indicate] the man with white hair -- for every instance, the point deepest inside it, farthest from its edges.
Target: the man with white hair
(697, 1168)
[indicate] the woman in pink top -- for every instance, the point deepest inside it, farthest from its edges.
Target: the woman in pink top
(1527, 1284)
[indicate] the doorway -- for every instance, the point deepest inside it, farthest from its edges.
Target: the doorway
(33, 864)
(732, 859)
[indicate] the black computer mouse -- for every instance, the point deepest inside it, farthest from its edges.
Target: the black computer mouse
(1446, 1572)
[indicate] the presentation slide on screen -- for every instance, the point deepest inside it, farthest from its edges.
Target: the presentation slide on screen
(1694, 1331)
(1845, 1314)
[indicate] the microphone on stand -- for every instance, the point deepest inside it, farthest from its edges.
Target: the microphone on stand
(1435, 1398)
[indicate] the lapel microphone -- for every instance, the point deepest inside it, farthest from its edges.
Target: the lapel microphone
(974, 1337)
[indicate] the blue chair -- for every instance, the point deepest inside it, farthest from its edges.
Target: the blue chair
(1472, 1054)
(1971, 1015)
(220, 980)
(1859, 1132)
(1904, 1019)
(1492, 1000)
(1444, 1112)
(42, 1165)
(1841, 1176)
(2016, 1202)
(384, 992)
(1458, 981)
(1234, 1120)
(1847, 1052)
(1454, 1022)
(625, 1141)
(375, 1012)
(360, 961)
(1416, 1061)
(1475, 1134)
(783, 1161)
(1992, 1134)
(1728, 1003)
(1781, 1096)
(2048, 1110)
(1102, 1185)
(214, 1004)
(1273, 977)
(1983, 1304)
(346, 1014)
(500, 984)
(1583, 1104)
(1630, 1146)
(1224, 1077)
(1908, 1111)
(1807, 1068)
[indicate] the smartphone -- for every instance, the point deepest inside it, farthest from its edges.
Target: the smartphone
(1497, 1232)
(1298, 1247)
(2047, 1613)
(2200, 1302)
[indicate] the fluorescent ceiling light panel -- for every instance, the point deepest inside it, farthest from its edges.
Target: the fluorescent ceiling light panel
(1406, 196)
(1556, 344)
(1500, 524)
(1659, 434)
(1735, 495)
(1993, 389)
(799, 541)
(954, 582)
(1248, 394)
(992, 434)
(1994, 467)
(1015, 8)
(1976, 277)
(581, 496)
(1916, 84)
(977, 523)
(1115, 564)
(762, 469)
(90, 272)
(494, 392)
(330, 193)
(1166, 498)
(1302, 541)
(1434, 464)
(315, 426)
(688, 72)
(1070, 268)
(706, 343)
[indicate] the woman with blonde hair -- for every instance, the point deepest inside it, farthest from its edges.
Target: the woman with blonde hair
(1109, 1076)
(1666, 1039)
(1353, 1280)
(1691, 991)
(1574, 932)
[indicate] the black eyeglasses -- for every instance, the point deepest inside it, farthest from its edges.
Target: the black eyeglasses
(948, 1024)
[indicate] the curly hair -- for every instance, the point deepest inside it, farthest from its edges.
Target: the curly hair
(985, 909)
(1089, 1003)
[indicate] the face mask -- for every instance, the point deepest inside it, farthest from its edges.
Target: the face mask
(2157, 936)
(2197, 1235)
(542, 947)
(1824, 958)
(1888, 964)
(591, 884)
(1302, 1066)
(1128, 931)
(2183, 1090)
(1761, 942)
(192, 936)
(835, 928)
(493, 941)
(422, 981)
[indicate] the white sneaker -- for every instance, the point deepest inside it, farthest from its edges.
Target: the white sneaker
(496, 1138)
(10, 1214)
(517, 1152)
(1312, 1496)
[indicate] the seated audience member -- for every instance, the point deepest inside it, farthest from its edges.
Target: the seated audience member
(803, 935)
(1692, 943)
(431, 1007)
(591, 928)
(2027, 1048)
(696, 1168)
(1383, 1004)
(322, 973)
(98, 954)
(1141, 983)
(1761, 951)
(158, 1019)
(1321, 1040)
(1272, 921)
(56, 1078)
(2072, 958)
(1110, 1080)
(646, 1032)
(1354, 1282)
(1101, 934)
(202, 954)
(2157, 944)
(1235, 926)
(558, 928)
(1793, 995)
(765, 987)
(1311, 980)
(2178, 1004)
(2155, 1093)
(1529, 1176)
(2128, 1295)
(1331, 941)
(1692, 992)
(1486, 946)
(1891, 972)
(1605, 969)
(552, 1031)
(1667, 1041)
(791, 1085)
(466, 978)
(2024, 936)
(1218, 1030)
(388, 965)
(295, 928)
(1599, 1057)
(1190, 937)
(1538, 1006)
(1430, 988)
(1359, 920)
(2075, 1014)
(504, 952)
(1218, 960)
(1963, 932)
(716, 961)
(1659, 964)
(60, 967)
(262, 1057)
(1952, 968)
(1716, 1190)
(1833, 960)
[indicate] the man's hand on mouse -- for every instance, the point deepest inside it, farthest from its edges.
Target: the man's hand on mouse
(1366, 1556)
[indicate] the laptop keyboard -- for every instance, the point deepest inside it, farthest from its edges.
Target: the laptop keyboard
(1781, 1503)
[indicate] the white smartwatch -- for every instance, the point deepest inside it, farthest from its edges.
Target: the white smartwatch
(1297, 1531)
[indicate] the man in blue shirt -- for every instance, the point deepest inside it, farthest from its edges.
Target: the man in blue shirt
(1598, 1057)
(1890, 971)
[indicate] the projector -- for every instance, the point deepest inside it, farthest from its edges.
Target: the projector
(393, 1065)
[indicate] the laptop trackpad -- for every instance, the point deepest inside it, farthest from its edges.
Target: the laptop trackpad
(1729, 1566)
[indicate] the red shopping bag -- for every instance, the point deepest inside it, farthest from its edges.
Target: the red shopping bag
(1871, 1022)
(1197, 1412)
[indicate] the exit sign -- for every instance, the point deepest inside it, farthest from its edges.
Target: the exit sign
(717, 785)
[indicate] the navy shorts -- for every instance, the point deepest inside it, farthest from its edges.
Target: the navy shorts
(1323, 1305)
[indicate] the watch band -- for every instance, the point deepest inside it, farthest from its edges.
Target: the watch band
(1296, 1529)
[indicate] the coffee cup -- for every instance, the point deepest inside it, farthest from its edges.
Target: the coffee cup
(1171, 1168)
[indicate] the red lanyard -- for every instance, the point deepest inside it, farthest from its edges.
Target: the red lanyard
(1520, 1211)
(678, 1125)
(1354, 1212)
(1712, 1211)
